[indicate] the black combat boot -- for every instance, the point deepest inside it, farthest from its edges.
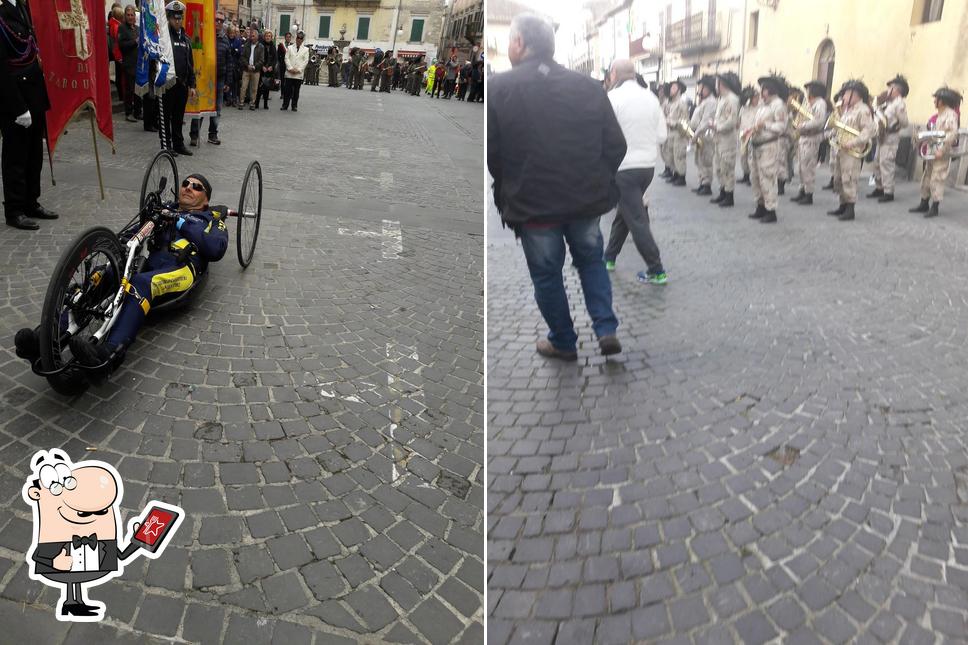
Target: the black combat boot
(838, 211)
(799, 197)
(671, 178)
(760, 211)
(746, 179)
(666, 173)
(807, 200)
(829, 185)
(920, 208)
(934, 210)
(679, 181)
(769, 218)
(722, 196)
(886, 197)
(848, 213)
(877, 192)
(704, 189)
(727, 199)
(780, 187)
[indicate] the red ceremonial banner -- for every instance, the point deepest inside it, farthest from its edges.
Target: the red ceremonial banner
(74, 55)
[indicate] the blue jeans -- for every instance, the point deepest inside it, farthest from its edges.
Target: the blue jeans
(544, 249)
(212, 120)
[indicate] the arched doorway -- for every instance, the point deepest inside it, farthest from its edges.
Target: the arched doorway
(825, 64)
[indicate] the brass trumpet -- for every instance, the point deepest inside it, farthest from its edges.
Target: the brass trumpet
(845, 135)
(683, 127)
(801, 116)
(929, 144)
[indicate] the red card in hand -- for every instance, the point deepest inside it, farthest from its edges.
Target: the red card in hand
(157, 525)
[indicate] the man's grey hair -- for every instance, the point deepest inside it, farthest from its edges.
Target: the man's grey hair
(537, 34)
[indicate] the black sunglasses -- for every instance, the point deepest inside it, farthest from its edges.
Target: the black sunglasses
(220, 20)
(193, 185)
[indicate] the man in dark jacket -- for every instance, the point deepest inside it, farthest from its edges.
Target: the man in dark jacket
(128, 44)
(176, 98)
(222, 54)
(23, 108)
(553, 148)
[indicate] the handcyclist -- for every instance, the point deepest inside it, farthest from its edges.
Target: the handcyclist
(199, 237)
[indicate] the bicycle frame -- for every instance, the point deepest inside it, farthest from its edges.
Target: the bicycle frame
(136, 245)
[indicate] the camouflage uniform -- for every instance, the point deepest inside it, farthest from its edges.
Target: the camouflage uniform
(885, 166)
(936, 170)
(727, 119)
(808, 149)
(704, 113)
(678, 110)
(858, 117)
(765, 157)
(747, 116)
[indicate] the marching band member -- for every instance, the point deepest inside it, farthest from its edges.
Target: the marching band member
(947, 101)
(764, 142)
(664, 149)
(702, 117)
(829, 135)
(856, 114)
(895, 113)
(787, 147)
(808, 148)
(751, 103)
(725, 123)
(678, 110)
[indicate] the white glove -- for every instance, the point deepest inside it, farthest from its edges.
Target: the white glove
(24, 119)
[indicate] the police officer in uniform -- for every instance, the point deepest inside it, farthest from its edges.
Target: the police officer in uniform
(176, 98)
(23, 104)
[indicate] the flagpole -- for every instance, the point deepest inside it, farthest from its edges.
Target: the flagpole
(50, 160)
(97, 156)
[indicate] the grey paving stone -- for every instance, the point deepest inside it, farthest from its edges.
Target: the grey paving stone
(435, 621)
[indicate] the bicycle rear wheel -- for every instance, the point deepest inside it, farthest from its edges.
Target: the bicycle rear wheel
(163, 166)
(85, 279)
(250, 213)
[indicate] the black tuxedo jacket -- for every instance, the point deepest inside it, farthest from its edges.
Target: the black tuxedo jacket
(21, 85)
(109, 553)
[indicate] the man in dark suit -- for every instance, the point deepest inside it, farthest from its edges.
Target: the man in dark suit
(77, 524)
(23, 107)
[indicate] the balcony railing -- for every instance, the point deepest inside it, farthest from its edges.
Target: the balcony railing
(693, 34)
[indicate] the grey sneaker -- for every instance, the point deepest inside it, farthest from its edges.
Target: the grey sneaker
(609, 345)
(546, 349)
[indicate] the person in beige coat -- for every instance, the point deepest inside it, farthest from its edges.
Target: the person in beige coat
(947, 101)
(704, 145)
(769, 125)
(856, 114)
(725, 125)
(677, 111)
(808, 145)
(895, 112)
(297, 57)
(750, 99)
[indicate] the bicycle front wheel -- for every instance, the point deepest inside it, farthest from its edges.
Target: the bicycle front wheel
(84, 281)
(250, 213)
(161, 175)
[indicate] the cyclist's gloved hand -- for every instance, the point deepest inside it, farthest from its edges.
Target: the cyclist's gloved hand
(24, 120)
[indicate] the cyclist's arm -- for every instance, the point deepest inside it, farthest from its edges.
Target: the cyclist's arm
(211, 239)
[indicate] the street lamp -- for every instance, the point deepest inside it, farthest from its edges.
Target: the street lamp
(396, 29)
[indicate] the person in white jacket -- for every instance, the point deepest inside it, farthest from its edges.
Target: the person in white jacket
(297, 57)
(644, 126)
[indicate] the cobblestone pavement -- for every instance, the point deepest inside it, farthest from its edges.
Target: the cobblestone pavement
(779, 454)
(319, 416)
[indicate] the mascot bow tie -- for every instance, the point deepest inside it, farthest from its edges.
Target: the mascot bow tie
(79, 540)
